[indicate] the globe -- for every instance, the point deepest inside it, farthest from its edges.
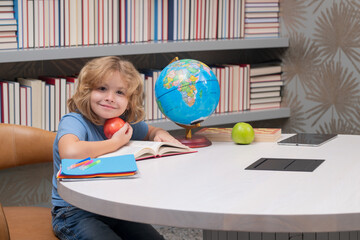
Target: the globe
(187, 91)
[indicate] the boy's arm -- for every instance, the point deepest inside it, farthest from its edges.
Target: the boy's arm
(160, 135)
(71, 147)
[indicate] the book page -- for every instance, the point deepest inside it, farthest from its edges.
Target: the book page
(138, 148)
(168, 149)
(146, 149)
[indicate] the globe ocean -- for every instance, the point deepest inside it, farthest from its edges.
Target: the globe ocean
(187, 91)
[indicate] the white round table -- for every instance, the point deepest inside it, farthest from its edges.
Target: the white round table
(212, 190)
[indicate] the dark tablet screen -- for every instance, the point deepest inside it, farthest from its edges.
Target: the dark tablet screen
(307, 139)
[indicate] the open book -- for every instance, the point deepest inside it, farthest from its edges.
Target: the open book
(150, 149)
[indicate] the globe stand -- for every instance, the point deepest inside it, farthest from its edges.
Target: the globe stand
(193, 141)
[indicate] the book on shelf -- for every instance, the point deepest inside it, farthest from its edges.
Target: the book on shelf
(224, 134)
(13, 102)
(265, 100)
(59, 84)
(261, 20)
(97, 168)
(4, 99)
(6, 21)
(150, 149)
(265, 94)
(264, 106)
(266, 84)
(8, 45)
(261, 35)
(262, 1)
(74, 23)
(262, 4)
(50, 107)
(6, 14)
(261, 30)
(8, 39)
(263, 25)
(261, 9)
(37, 88)
(265, 68)
(7, 33)
(261, 15)
(25, 105)
(6, 3)
(265, 78)
(265, 89)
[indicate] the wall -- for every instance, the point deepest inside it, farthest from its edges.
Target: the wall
(322, 65)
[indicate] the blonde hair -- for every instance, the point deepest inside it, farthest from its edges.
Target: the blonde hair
(94, 73)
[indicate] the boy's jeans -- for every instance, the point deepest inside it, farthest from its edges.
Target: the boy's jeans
(72, 223)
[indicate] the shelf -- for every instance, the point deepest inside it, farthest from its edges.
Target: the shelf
(40, 54)
(227, 118)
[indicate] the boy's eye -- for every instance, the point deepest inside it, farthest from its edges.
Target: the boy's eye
(101, 88)
(120, 92)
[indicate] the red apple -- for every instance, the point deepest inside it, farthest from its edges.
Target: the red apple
(112, 125)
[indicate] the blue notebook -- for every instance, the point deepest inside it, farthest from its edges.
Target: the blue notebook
(117, 166)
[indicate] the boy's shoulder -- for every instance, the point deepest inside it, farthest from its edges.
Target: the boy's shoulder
(72, 116)
(75, 119)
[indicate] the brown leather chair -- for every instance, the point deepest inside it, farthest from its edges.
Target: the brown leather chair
(20, 145)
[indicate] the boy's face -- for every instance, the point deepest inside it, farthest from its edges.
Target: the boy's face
(109, 99)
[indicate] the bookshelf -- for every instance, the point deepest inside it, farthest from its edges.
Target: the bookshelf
(39, 54)
(58, 53)
(128, 39)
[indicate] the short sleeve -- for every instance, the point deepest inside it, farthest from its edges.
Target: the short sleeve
(70, 124)
(140, 131)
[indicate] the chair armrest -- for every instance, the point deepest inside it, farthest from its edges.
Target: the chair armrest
(21, 145)
(4, 230)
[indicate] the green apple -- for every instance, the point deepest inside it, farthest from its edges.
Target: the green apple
(242, 133)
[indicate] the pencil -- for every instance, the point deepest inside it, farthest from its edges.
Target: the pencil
(92, 164)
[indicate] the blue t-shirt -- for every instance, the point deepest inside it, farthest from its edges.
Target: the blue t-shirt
(77, 124)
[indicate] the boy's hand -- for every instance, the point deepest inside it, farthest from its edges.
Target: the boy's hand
(123, 135)
(164, 136)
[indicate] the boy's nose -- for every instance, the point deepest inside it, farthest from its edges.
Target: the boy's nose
(110, 97)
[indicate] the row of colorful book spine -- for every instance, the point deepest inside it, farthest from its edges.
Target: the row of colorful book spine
(55, 23)
(42, 102)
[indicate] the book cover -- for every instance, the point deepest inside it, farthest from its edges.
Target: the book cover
(117, 166)
(50, 107)
(224, 134)
(60, 96)
(265, 69)
(4, 102)
(150, 149)
(23, 106)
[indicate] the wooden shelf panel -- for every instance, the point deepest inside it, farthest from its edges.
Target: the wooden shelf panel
(227, 118)
(40, 54)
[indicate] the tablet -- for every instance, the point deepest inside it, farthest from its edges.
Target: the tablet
(307, 139)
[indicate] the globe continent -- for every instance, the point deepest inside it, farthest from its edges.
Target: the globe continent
(187, 91)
